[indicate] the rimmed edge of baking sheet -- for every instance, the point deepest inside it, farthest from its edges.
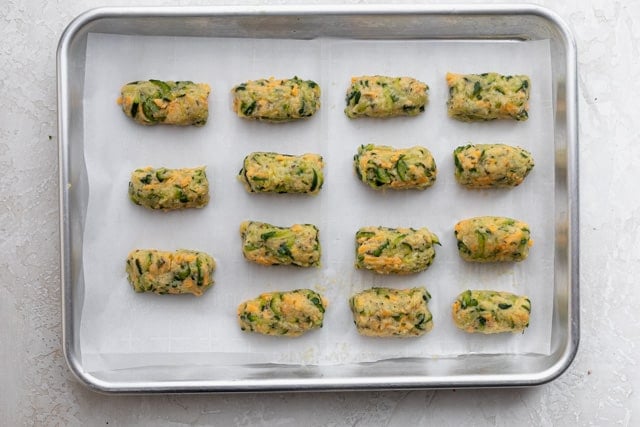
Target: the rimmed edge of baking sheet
(71, 221)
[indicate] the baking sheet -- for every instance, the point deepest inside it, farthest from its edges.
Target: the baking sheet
(121, 329)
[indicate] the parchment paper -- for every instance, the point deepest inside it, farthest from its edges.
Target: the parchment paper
(122, 329)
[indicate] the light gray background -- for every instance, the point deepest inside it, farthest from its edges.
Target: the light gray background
(600, 388)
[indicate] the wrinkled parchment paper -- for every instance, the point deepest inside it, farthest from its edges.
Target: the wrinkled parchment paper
(123, 329)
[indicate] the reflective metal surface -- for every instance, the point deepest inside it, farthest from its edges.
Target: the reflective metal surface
(496, 22)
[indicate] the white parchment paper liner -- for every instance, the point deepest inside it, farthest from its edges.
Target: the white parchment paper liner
(122, 329)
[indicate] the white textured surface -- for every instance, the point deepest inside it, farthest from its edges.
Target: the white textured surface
(600, 388)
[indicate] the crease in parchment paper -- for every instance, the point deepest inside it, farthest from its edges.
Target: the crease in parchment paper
(118, 324)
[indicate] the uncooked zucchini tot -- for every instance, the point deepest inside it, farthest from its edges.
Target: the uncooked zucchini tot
(265, 172)
(384, 96)
(268, 244)
(395, 250)
(382, 167)
(491, 165)
(169, 189)
(288, 314)
(493, 239)
(488, 96)
(276, 100)
(180, 272)
(491, 312)
(154, 102)
(385, 312)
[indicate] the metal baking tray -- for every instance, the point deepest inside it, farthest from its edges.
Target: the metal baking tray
(406, 22)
